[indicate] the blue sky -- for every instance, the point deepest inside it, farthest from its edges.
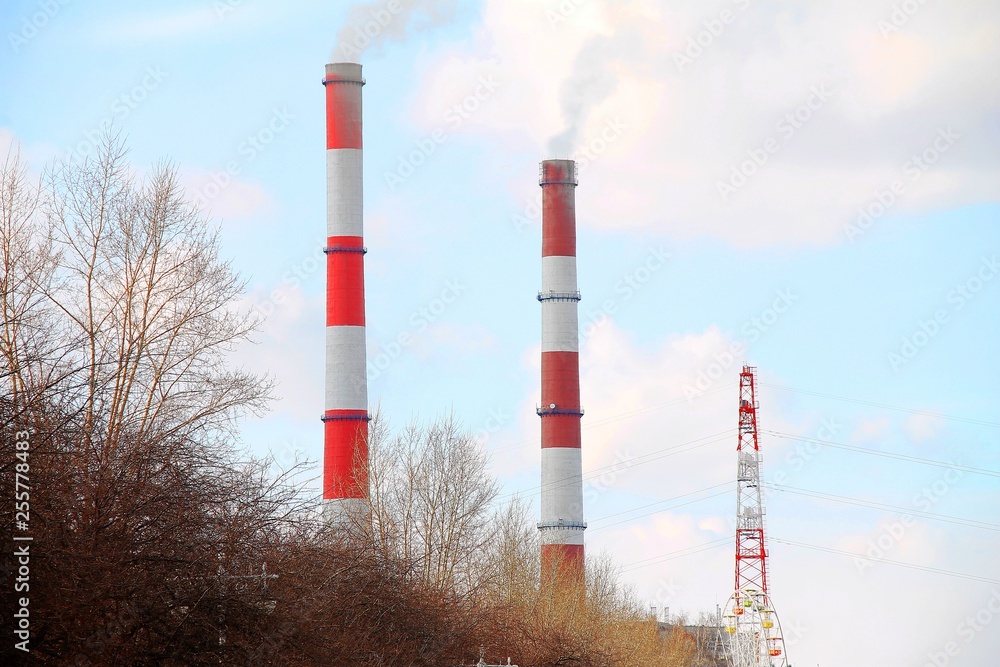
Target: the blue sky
(230, 92)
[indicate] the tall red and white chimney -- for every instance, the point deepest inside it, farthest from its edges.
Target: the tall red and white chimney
(561, 524)
(345, 453)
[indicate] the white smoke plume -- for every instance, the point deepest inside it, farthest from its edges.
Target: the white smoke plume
(370, 25)
(594, 79)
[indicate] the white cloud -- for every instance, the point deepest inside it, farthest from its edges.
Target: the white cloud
(638, 402)
(8, 142)
(287, 347)
(869, 430)
(223, 195)
(923, 427)
(882, 101)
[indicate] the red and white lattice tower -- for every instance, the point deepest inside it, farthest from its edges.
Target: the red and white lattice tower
(751, 554)
(750, 619)
(345, 453)
(561, 524)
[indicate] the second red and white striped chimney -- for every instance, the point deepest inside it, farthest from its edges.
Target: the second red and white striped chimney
(561, 524)
(345, 419)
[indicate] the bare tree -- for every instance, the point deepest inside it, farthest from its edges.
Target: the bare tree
(432, 500)
(118, 315)
(146, 302)
(29, 346)
(513, 558)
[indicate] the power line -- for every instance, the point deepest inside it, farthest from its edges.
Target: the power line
(714, 544)
(680, 553)
(520, 444)
(712, 439)
(596, 472)
(665, 500)
(891, 455)
(639, 516)
(913, 566)
(659, 406)
(883, 405)
(645, 458)
(971, 523)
